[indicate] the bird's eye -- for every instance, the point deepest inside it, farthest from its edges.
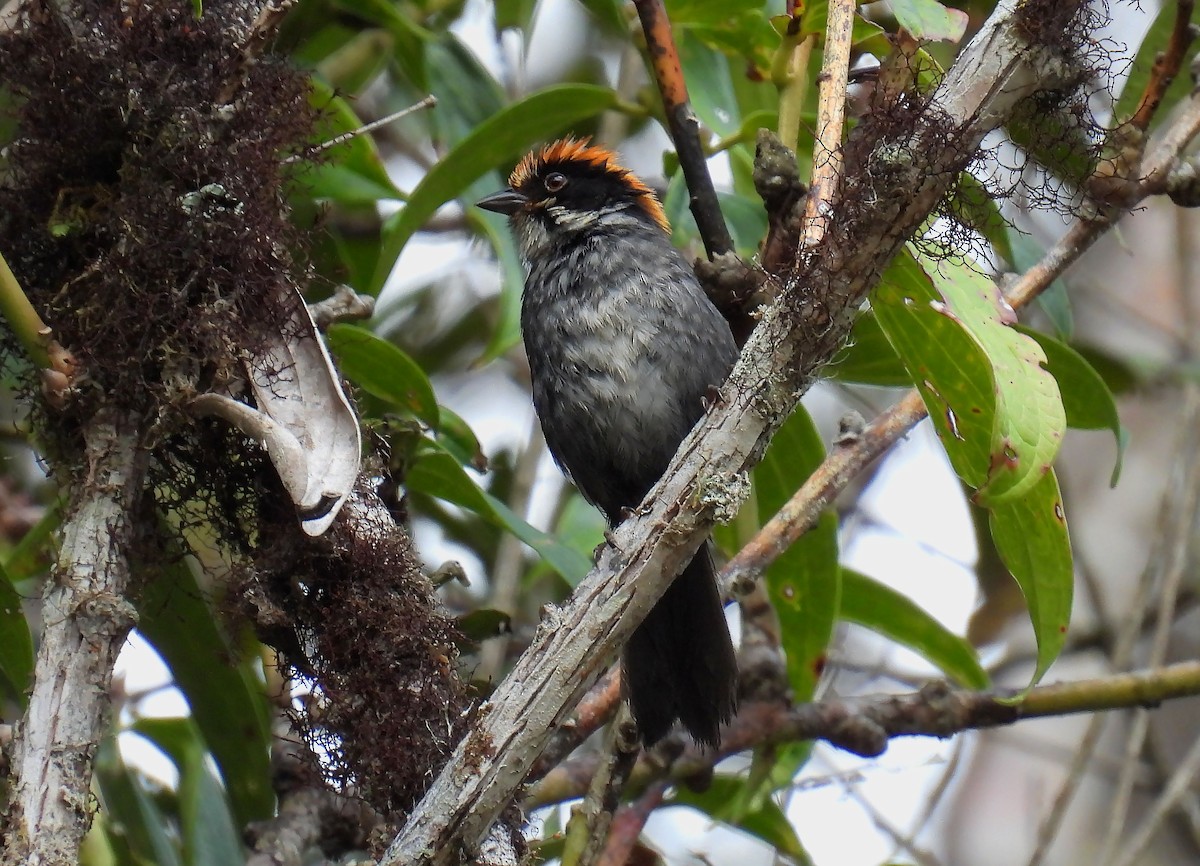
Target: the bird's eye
(555, 181)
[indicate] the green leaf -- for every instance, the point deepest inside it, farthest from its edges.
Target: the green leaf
(1054, 139)
(457, 437)
(351, 172)
(766, 822)
(803, 584)
(435, 472)
(209, 835)
(412, 40)
(709, 87)
(31, 555)
(483, 623)
(1087, 401)
(466, 92)
(16, 644)
(1031, 537)
(226, 698)
(130, 812)
(928, 19)
(358, 61)
(1054, 301)
(981, 211)
(383, 370)
(609, 14)
(499, 139)
(514, 14)
(867, 36)
(747, 222)
(874, 605)
(580, 527)
(998, 413)
(869, 358)
(1156, 40)
(507, 332)
(739, 30)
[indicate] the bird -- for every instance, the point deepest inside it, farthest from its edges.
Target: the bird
(624, 349)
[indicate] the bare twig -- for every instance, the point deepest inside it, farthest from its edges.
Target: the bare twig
(309, 152)
(1080, 761)
(86, 618)
(1168, 561)
(684, 127)
(627, 826)
(1178, 787)
(1166, 65)
(831, 115)
(588, 829)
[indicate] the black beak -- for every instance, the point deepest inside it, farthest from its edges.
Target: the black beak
(506, 201)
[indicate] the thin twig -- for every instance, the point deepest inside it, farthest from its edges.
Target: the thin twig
(684, 127)
(902, 840)
(627, 826)
(1166, 66)
(309, 152)
(1168, 561)
(1080, 763)
(509, 562)
(831, 115)
(344, 305)
(1177, 788)
(588, 828)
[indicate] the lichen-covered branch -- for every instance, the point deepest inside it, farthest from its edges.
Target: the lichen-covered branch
(86, 618)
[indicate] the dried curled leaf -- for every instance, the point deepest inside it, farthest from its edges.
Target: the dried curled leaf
(303, 420)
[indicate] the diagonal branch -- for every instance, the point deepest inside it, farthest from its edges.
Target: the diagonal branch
(1008, 60)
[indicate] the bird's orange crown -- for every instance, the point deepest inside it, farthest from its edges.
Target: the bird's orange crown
(580, 152)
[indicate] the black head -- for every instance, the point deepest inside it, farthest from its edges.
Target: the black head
(571, 184)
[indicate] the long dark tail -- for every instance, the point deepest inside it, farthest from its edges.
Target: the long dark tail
(680, 662)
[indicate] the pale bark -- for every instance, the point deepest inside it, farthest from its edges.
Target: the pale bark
(85, 620)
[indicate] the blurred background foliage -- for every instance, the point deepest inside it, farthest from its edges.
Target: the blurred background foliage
(441, 385)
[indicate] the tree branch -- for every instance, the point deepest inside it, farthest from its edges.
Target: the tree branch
(831, 115)
(685, 128)
(86, 618)
(865, 726)
(1166, 65)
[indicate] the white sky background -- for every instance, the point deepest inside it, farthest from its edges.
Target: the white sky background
(918, 537)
